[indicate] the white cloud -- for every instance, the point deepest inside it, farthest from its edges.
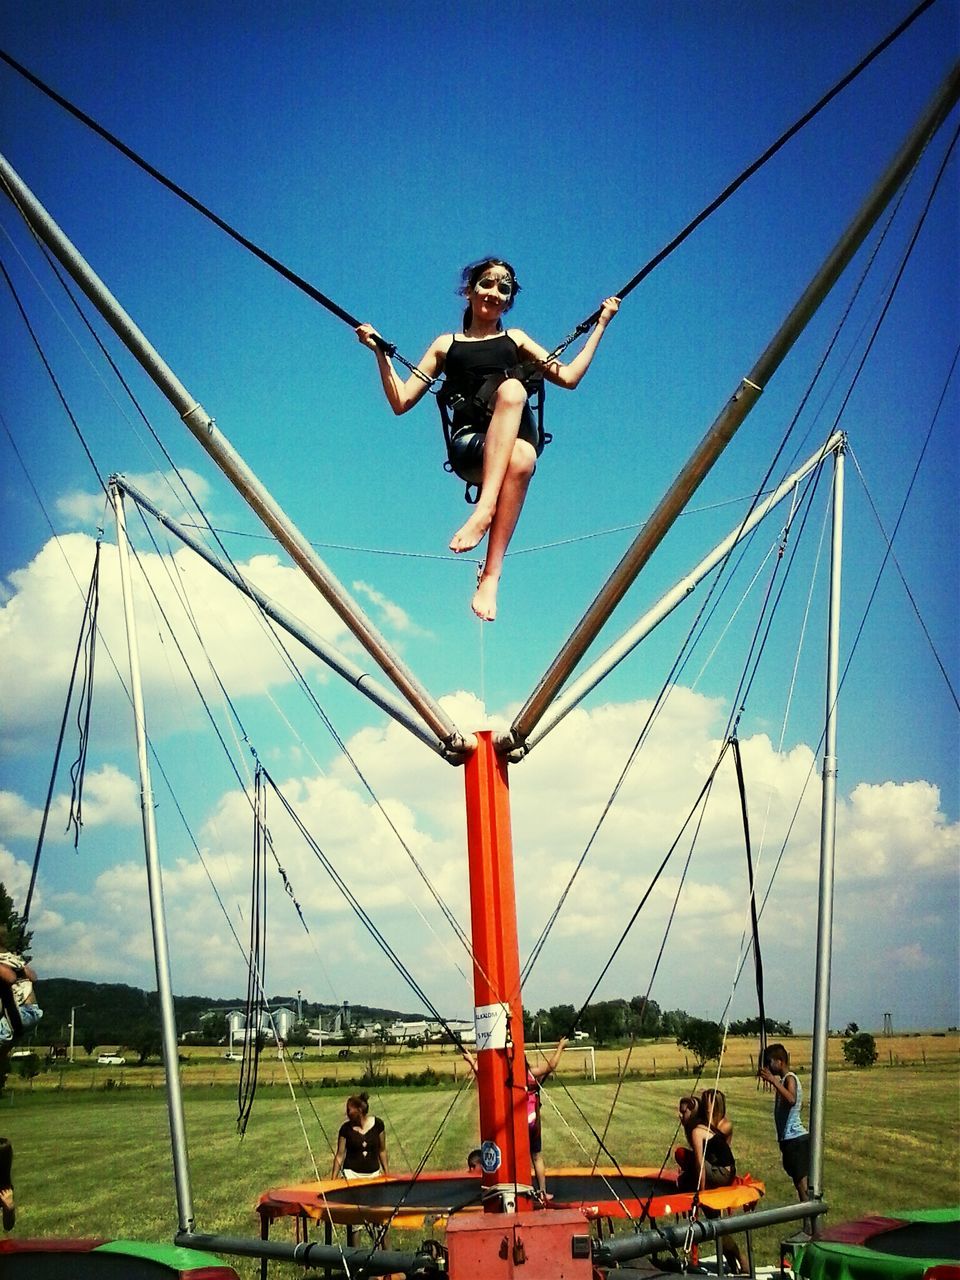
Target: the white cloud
(109, 796)
(556, 802)
(165, 490)
(40, 623)
(393, 614)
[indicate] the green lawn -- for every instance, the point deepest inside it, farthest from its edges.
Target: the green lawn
(97, 1162)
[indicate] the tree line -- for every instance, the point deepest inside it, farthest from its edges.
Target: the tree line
(612, 1021)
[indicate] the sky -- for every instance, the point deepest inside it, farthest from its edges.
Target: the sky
(377, 150)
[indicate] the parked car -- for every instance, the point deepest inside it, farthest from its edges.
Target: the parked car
(110, 1060)
(233, 1057)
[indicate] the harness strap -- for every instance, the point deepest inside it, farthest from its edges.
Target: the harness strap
(476, 410)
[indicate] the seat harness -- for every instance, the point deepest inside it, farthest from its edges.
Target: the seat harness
(472, 409)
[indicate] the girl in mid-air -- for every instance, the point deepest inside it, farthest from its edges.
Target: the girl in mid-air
(494, 441)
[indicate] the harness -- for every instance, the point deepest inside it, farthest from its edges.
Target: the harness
(472, 409)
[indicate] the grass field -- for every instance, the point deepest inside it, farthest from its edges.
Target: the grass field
(96, 1162)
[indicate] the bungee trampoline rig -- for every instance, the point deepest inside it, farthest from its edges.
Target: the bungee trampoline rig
(492, 1229)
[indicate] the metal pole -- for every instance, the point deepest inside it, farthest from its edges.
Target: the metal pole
(733, 413)
(498, 1014)
(644, 1243)
(328, 653)
(178, 1135)
(828, 821)
(577, 691)
(73, 1011)
(227, 459)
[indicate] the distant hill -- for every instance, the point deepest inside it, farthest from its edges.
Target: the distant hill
(114, 1013)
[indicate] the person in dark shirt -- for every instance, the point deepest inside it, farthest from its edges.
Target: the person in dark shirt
(498, 452)
(361, 1142)
(710, 1163)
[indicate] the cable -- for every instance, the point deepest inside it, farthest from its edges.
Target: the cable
(335, 309)
(750, 170)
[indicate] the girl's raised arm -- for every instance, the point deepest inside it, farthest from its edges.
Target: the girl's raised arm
(568, 375)
(404, 394)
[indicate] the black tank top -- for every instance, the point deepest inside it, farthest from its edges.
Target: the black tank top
(468, 363)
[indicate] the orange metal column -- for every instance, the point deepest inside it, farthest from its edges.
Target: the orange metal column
(501, 1066)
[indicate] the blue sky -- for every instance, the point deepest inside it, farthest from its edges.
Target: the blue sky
(376, 151)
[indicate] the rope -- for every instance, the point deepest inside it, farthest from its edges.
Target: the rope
(88, 633)
(288, 274)
(754, 923)
(890, 554)
(256, 960)
(24, 920)
(52, 376)
(389, 348)
(354, 903)
(750, 170)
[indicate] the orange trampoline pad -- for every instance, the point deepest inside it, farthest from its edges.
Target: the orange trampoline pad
(601, 1193)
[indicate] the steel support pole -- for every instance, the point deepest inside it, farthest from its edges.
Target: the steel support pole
(578, 690)
(327, 653)
(498, 1014)
(171, 1057)
(828, 828)
(641, 1245)
(734, 413)
(227, 459)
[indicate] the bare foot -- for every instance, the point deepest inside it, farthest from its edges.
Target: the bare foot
(473, 532)
(484, 602)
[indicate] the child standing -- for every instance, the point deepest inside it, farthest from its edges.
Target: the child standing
(787, 1099)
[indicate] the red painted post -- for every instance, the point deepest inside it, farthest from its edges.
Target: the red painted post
(501, 1066)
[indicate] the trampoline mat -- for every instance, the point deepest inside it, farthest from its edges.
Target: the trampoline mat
(919, 1240)
(602, 1193)
(452, 1193)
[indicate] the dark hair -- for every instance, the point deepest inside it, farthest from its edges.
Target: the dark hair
(6, 1163)
(475, 1157)
(776, 1051)
(713, 1107)
(472, 273)
(360, 1101)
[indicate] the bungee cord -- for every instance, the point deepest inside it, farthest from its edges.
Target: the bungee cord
(286, 657)
(87, 623)
(728, 191)
(761, 645)
(235, 719)
(721, 573)
(345, 316)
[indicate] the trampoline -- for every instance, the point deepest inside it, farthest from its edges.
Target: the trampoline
(407, 1202)
(917, 1244)
(71, 1259)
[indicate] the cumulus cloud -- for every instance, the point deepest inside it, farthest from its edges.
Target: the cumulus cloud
(166, 490)
(556, 805)
(395, 616)
(218, 629)
(109, 797)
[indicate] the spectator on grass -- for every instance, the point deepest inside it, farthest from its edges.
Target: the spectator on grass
(8, 1209)
(361, 1142)
(787, 1099)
